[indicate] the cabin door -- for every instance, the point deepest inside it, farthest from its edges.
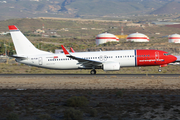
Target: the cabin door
(156, 56)
(40, 61)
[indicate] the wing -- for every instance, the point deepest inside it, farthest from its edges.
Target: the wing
(83, 61)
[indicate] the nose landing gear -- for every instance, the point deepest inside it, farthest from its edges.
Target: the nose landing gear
(93, 72)
(159, 69)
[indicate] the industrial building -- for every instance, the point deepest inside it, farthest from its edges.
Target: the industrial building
(137, 37)
(106, 37)
(175, 38)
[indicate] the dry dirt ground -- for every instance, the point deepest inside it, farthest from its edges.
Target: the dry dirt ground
(112, 82)
(90, 98)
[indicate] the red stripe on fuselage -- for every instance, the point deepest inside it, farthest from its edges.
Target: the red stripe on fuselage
(153, 57)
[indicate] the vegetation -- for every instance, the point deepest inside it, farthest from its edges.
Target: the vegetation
(119, 93)
(48, 104)
(12, 116)
(93, 112)
(44, 117)
(77, 101)
(72, 114)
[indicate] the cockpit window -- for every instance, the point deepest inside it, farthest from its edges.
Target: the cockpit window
(166, 54)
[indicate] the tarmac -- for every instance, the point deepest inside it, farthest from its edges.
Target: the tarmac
(86, 81)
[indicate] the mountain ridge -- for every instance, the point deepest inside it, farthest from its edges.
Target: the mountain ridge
(169, 8)
(81, 8)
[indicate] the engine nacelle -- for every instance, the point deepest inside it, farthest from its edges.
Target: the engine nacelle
(111, 66)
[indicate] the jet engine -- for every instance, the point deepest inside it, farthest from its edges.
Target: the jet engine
(108, 66)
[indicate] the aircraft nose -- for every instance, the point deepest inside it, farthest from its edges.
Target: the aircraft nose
(173, 58)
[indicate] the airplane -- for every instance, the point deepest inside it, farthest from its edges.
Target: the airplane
(28, 54)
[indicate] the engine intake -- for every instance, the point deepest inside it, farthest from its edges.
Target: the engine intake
(110, 66)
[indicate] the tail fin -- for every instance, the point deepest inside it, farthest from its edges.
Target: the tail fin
(22, 45)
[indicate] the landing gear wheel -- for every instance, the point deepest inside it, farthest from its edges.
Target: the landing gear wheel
(93, 72)
(159, 70)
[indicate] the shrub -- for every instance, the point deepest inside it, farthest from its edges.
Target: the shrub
(44, 117)
(77, 101)
(12, 116)
(93, 112)
(72, 114)
(119, 93)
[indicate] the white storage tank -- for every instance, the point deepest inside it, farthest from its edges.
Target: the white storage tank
(106, 37)
(175, 38)
(137, 37)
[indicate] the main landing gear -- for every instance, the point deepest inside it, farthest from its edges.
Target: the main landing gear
(93, 72)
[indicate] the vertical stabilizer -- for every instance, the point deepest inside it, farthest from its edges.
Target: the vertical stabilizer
(22, 45)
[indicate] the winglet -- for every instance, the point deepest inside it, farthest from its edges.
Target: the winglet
(64, 50)
(12, 27)
(72, 50)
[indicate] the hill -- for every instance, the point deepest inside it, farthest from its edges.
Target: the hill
(77, 8)
(169, 8)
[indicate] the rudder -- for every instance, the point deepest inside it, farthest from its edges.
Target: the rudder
(22, 45)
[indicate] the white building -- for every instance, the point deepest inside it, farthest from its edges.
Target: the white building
(106, 37)
(137, 37)
(175, 38)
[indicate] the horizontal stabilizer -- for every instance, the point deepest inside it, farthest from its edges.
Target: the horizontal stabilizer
(21, 57)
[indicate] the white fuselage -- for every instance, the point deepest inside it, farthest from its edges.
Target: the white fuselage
(126, 58)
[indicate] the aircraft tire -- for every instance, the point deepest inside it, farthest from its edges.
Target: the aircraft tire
(93, 72)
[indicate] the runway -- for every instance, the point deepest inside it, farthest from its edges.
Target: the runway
(89, 75)
(87, 81)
